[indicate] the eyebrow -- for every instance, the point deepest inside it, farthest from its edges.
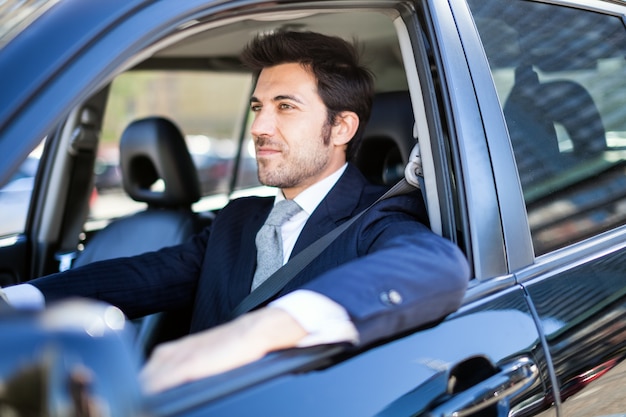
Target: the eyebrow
(253, 99)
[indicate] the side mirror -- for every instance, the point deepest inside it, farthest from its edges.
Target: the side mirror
(74, 358)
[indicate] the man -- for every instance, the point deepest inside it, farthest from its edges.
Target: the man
(385, 274)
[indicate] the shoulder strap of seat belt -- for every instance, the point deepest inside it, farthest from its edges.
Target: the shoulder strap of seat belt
(282, 276)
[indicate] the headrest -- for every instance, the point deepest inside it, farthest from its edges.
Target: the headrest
(387, 138)
(153, 149)
(533, 109)
(569, 104)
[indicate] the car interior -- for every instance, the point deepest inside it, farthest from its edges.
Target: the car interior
(533, 109)
(158, 170)
(152, 149)
(64, 214)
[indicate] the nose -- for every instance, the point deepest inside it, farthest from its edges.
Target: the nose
(264, 124)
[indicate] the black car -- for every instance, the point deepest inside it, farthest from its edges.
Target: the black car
(519, 111)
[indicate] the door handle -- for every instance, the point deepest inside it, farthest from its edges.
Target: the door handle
(513, 378)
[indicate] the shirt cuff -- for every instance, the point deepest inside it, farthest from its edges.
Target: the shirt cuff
(324, 320)
(25, 297)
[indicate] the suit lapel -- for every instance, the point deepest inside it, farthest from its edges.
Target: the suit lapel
(338, 206)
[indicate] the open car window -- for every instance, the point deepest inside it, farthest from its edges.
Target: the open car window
(207, 97)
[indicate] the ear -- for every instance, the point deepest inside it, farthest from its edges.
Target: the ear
(345, 127)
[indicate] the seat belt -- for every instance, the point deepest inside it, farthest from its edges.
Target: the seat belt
(279, 279)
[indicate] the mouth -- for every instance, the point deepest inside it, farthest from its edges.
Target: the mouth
(267, 150)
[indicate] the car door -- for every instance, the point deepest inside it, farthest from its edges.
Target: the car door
(559, 74)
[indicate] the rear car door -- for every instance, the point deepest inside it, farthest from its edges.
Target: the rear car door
(559, 71)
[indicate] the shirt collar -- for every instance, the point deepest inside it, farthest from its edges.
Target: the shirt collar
(310, 198)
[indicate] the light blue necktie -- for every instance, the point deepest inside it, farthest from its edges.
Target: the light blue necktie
(269, 242)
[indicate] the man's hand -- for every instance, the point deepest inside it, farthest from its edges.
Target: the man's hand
(223, 348)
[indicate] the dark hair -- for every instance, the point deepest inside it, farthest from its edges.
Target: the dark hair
(342, 82)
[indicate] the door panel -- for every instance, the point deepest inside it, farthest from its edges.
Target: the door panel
(489, 346)
(583, 314)
(561, 89)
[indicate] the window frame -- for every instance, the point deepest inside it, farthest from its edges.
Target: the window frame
(518, 240)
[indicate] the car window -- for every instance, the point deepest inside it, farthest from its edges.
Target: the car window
(562, 88)
(16, 194)
(206, 106)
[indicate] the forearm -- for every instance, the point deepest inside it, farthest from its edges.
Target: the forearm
(272, 328)
(234, 344)
(165, 279)
(324, 320)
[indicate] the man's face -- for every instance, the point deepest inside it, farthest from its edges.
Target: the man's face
(293, 141)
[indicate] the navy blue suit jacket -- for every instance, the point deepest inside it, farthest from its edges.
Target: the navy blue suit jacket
(388, 250)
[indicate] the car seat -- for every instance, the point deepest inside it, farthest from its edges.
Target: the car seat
(389, 150)
(387, 139)
(532, 111)
(157, 169)
(152, 151)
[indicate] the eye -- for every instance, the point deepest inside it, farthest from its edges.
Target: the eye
(285, 106)
(255, 108)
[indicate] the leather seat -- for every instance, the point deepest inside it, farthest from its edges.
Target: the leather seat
(156, 169)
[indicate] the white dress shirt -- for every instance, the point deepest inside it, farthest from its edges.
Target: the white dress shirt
(25, 297)
(324, 320)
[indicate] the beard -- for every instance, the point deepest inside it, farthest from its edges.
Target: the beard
(297, 165)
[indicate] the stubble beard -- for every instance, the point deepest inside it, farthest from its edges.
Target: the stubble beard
(295, 168)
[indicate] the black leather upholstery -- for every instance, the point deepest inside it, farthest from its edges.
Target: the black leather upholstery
(145, 231)
(387, 139)
(570, 104)
(152, 149)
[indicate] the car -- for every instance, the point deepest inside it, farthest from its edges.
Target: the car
(516, 110)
